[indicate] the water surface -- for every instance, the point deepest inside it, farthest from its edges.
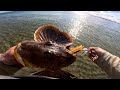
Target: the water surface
(84, 28)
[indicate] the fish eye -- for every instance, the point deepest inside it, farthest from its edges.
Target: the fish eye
(48, 43)
(47, 55)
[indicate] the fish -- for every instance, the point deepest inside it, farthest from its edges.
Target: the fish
(50, 49)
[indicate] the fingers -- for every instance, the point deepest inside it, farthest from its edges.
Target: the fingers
(95, 52)
(92, 54)
(1, 57)
(8, 57)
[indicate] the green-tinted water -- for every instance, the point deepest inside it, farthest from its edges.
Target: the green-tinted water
(85, 29)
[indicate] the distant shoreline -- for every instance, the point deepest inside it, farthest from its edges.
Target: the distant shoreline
(99, 16)
(105, 18)
(4, 12)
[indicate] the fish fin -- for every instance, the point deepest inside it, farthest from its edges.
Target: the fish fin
(17, 56)
(53, 34)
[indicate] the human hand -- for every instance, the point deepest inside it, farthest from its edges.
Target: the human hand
(95, 52)
(8, 57)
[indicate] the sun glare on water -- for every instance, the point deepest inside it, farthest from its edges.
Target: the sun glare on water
(77, 26)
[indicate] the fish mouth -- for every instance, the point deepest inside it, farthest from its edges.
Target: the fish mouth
(76, 49)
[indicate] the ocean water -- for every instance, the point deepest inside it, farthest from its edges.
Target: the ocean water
(86, 28)
(95, 28)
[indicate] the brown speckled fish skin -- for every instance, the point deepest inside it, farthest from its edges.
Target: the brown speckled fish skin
(45, 55)
(48, 50)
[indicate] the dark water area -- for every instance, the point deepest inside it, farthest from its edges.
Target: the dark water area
(85, 29)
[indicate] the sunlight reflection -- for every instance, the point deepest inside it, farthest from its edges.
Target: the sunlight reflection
(77, 26)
